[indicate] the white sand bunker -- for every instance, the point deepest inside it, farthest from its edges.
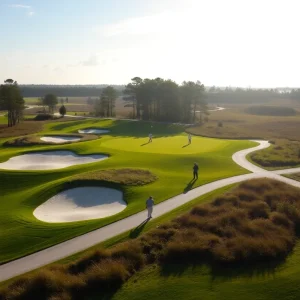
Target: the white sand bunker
(49, 160)
(59, 139)
(93, 131)
(82, 203)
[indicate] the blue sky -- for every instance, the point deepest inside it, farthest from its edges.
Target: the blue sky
(238, 43)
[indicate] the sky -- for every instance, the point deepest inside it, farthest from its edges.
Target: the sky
(248, 43)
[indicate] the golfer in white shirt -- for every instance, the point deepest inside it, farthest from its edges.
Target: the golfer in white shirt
(149, 206)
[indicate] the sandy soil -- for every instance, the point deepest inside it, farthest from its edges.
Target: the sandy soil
(93, 131)
(49, 160)
(58, 139)
(82, 203)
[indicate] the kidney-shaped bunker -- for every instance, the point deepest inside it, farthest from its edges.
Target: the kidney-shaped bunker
(49, 160)
(60, 139)
(82, 203)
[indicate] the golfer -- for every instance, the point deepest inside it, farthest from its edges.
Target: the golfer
(195, 171)
(149, 206)
(150, 138)
(190, 138)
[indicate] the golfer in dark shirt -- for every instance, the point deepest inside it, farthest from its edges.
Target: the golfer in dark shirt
(195, 168)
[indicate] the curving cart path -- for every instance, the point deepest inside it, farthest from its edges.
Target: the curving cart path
(87, 240)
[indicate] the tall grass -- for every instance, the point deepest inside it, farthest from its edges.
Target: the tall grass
(257, 221)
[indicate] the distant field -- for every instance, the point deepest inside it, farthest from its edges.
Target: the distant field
(234, 122)
(79, 105)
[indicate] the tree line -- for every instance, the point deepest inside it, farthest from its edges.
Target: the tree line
(65, 91)
(164, 100)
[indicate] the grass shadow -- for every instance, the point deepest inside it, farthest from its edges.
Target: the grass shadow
(189, 185)
(137, 231)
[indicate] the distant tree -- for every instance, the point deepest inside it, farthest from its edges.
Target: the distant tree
(132, 93)
(62, 110)
(50, 100)
(12, 101)
(62, 100)
(107, 102)
(89, 101)
(67, 100)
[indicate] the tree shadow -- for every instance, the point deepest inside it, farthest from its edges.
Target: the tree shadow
(136, 231)
(189, 185)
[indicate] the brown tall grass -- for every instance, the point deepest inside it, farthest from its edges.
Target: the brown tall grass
(257, 221)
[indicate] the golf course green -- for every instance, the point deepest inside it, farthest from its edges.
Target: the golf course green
(168, 157)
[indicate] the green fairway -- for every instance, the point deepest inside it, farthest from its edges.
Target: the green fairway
(23, 191)
(169, 145)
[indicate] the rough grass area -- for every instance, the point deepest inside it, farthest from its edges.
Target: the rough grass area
(36, 140)
(23, 128)
(235, 123)
(120, 176)
(257, 221)
(265, 110)
(282, 153)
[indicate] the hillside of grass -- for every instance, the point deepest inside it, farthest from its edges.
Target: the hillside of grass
(23, 191)
(248, 232)
(281, 154)
(237, 124)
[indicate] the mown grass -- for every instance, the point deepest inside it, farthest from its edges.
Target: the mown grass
(256, 222)
(237, 124)
(282, 153)
(23, 191)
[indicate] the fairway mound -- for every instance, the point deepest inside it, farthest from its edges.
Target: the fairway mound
(121, 176)
(60, 139)
(264, 110)
(49, 160)
(93, 131)
(82, 203)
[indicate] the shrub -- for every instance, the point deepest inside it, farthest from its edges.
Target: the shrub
(43, 117)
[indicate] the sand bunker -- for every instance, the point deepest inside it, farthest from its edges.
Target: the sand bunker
(82, 203)
(93, 131)
(49, 160)
(59, 139)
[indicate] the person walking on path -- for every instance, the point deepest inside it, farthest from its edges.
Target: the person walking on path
(149, 206)
(195, 171)
(190, 138)
(150, 138)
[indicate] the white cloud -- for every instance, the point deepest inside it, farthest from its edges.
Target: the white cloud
(20, 6)
(92, 61)
(28, 8)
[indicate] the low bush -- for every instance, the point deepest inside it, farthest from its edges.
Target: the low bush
(284, 154)
(234, 228)
(44, 117)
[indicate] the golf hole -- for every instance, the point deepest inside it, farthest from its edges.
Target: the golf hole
(81, 203)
